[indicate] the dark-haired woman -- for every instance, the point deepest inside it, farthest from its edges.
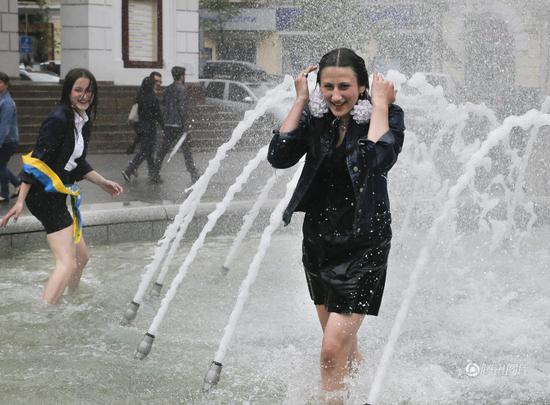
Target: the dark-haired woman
(146, 131)
(57, 161)
(351, 140)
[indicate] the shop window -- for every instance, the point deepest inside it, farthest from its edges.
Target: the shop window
(142, 33)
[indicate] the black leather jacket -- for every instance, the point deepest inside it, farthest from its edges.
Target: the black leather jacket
(368, 164)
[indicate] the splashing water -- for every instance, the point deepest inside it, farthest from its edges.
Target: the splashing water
(272, 99)
(249, 220)
(466, 198)
(212, 219)
(274, 223)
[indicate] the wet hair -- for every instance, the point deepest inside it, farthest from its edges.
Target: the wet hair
(72, 76)
(5, 78)
(177, 72)
(344, 57)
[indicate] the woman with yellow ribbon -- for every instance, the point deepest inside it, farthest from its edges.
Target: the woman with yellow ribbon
(50, 173)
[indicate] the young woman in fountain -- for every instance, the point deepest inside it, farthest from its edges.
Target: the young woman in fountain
(57, 161)
(351, 140)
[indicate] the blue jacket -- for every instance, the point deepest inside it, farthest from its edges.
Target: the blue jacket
(8, 120)
(368, 164)
(55, 145)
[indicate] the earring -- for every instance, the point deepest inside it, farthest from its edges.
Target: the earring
(317, 105)
(361, 111)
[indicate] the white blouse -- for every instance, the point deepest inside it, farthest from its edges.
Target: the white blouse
(79, 121)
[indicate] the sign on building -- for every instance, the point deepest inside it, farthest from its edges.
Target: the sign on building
(25, 44)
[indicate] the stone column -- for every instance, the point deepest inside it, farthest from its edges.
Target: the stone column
(9, 38)
(86, 37)
(185, 48)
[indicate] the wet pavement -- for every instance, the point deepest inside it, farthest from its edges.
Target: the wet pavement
(141, 192)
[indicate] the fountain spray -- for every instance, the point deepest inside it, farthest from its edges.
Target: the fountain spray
(213, 374)
(212, 219)
(220, 209)
(271, 100)
(249, 220)
(531, 118)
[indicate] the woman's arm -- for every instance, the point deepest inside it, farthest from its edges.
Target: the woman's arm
(302, 97)
(288, 145)
(382, 95)
(17, 208)
(381, 155)
(108, 186)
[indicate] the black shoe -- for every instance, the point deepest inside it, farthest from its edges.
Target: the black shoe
(4, 200)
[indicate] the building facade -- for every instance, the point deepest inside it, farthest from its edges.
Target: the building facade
(494, 51)
(120, 41)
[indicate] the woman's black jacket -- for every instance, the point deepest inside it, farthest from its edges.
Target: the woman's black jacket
(55, 145)
(367, 162)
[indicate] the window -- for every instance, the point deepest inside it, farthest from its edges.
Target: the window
(142, 33)
(215, 90)
(237, 93)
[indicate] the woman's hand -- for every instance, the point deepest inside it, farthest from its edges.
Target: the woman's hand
(111, 187)
(108, 186)
(300, 83)
(302, 97)
(14, 212)
(382, 91)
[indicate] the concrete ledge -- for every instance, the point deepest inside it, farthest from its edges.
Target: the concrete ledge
(118, 222)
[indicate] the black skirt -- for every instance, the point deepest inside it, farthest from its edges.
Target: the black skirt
(345, 273)
(49, 208)
(345, 277)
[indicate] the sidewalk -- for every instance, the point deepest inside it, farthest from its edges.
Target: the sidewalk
(144, 210)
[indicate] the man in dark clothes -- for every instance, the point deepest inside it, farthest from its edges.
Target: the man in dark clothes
(175, 122)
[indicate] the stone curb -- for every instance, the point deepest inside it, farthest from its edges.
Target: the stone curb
(103, 224)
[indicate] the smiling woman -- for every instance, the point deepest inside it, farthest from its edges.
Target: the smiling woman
(351, 140)
(50, 172)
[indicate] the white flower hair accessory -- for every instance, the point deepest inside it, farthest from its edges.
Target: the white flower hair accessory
(317, 105)
(362, 111)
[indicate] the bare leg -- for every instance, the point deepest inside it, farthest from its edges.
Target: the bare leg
(82, 256)
(64, 252)
(355, 358)
(339, 346)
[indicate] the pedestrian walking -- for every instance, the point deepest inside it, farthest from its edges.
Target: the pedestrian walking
(50, 171)
(146, 131)
(175, 104)
(9, 139)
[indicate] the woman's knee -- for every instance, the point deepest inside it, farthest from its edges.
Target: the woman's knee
(66, 263)
(331, 351)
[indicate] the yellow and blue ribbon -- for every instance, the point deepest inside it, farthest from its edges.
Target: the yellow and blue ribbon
(53, 184)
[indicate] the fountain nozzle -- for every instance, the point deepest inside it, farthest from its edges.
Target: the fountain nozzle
(155, 291)
(212, 376)
(144, 346)
(130, 313)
